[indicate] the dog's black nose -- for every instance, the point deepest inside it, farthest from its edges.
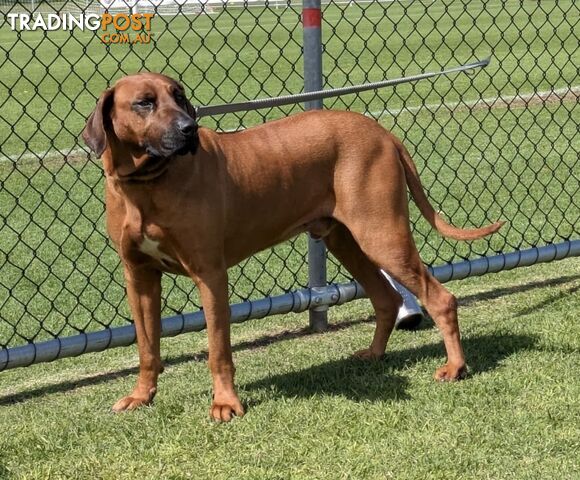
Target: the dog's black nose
(186, 125)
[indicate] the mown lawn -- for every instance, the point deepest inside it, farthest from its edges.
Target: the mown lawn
(313, 412)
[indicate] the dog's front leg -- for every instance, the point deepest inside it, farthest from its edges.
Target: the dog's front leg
(144, 293)
(213, 288)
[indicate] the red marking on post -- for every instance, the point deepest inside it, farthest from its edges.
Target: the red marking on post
(311, 17)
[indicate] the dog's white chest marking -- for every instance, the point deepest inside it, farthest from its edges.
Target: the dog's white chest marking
(151, 247)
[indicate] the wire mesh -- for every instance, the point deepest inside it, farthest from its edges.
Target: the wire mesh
(502, 143)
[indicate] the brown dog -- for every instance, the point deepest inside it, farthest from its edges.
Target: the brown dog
(195, 202)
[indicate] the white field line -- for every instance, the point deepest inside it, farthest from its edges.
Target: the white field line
(431, 107)
(488, 102)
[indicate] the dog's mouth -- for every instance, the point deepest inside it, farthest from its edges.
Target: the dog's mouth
(159, 157)
(177, 144)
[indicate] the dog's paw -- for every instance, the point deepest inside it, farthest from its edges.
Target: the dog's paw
(368, 355)
(450, 373)
(133, 401)
(225, 410)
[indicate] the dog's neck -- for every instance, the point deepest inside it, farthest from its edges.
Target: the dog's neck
(134, 166)
(151, 170)
(139, 199)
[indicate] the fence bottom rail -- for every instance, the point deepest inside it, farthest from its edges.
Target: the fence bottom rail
(297, 301)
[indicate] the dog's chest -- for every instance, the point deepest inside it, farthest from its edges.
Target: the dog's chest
(143, 235)
(153, 249)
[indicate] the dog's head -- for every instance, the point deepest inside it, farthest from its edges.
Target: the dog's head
(142, 120)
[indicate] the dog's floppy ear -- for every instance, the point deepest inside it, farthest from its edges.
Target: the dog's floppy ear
(95, 132)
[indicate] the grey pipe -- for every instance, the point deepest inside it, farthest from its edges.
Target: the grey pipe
(297, 301)
(506, 261)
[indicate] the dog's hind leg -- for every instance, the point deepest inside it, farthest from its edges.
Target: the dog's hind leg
(384, 298)
(389, 244)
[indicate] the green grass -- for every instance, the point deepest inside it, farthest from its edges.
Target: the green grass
(315, 413)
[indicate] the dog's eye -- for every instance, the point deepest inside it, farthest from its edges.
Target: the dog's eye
(144, 103)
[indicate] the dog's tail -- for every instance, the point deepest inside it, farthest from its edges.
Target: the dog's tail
(427, 210)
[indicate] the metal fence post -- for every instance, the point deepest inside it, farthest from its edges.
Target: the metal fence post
(312, 53)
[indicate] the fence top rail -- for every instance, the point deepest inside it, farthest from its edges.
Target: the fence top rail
(209, 110)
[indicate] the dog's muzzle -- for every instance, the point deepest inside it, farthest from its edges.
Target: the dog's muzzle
(182, 138)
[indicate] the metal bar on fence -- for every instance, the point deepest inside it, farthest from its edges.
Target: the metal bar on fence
(319, 94)
(312, 44)
(297, 301)
(506, 261)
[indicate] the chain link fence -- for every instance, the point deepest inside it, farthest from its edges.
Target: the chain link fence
(502, 143)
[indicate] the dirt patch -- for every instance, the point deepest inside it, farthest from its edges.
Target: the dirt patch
(525, 100)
